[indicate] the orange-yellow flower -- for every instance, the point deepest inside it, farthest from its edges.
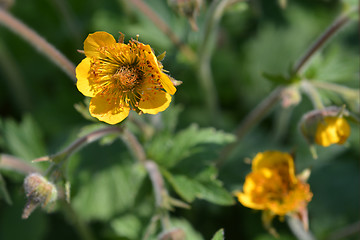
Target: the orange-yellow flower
(332, 130)
(119, 77)
(273, 186)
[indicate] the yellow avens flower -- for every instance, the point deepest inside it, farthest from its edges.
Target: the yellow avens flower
(272, 186)
(332, 130)
(120, 77)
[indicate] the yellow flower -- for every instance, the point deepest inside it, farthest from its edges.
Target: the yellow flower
(119, 77)
(332, 130)
(273, 186)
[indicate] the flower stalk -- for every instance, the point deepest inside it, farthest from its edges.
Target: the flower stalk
(298, 230)
(79, 143)
(156, 178)
(206, 48)
(15, 164)
(38, 42)
(327, 34)
(312, 93)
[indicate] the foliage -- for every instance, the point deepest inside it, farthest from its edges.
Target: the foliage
(173, 175)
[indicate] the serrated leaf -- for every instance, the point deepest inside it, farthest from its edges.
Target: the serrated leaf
(184, 186)
(24, 139)
(128, 226)
(203, 186)
(3, 190)
(168, 150)
(109, 192)
(219, 235)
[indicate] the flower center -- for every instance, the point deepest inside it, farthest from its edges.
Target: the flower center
(127, 78)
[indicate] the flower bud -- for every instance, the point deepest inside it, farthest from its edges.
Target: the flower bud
(39, 191)
(326, 126)
(290, 96)
(189, 9)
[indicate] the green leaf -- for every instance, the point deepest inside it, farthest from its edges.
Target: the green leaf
(128, 226)
(25, 139)
(203, 186)
(278, 79)
(168, 150)
(219, 235)
(3, 190)
(183, 186)
(109, 192)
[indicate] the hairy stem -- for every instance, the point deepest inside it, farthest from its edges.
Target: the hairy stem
(298, 230)
(134, 145)
(79, 143)
(159, 190)
(156, 178)
(329, 32)
(206, 48)
(345, 91)
(312, 93)
(38, 42)
(15, 164)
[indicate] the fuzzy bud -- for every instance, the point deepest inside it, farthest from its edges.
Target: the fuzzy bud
(188, 8)
(290, 96)
(310, 122)
(39, 191)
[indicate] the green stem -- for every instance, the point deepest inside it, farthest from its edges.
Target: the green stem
(38, 42)
(258, 113)
(159, 190)
(206, 48)
(134, 146)
(345, 91)
(329, 32)
(79, 143)
(156, 178)
(83, 230)
(312, 93)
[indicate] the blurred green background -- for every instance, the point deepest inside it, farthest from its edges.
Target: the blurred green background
(37, 114)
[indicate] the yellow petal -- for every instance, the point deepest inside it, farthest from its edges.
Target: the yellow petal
(154, 101)
(109, 112)
(332, 130)
(95, 41)
(343, 129)
(275, 159)
(248, 202)
(167, 84)
(164, 79)
(82, 74)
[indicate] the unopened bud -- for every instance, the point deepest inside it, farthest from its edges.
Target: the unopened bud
(173, 234)
(290, 96)
(39, 191)
(311, 122)
(188, 8)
